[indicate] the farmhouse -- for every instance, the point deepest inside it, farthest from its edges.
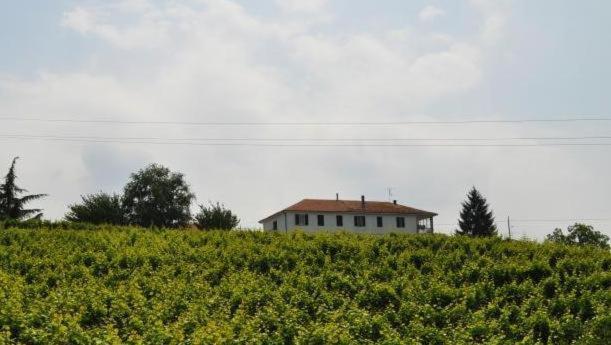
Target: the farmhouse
(351, 215)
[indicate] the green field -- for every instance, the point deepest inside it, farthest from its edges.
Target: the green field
(121, 285)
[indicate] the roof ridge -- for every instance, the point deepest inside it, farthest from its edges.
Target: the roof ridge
(356, 200)
(352, 206)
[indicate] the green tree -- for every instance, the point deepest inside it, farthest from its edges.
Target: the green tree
(475, 219)
(100, 208)
(216, 217)
(557, 236)
(580, 234)
(155, 196)
(12, 206)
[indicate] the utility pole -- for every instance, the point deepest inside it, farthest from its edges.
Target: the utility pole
(509, 226)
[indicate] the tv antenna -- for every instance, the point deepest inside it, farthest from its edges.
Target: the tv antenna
(390, 194)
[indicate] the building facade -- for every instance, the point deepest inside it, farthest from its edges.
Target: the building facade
(363, 216)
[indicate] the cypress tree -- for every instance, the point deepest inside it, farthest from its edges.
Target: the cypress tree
(475, 219)
(11, 205)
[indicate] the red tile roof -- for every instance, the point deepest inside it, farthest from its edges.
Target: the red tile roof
(352, 206)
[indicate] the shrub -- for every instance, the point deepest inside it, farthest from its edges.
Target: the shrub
(541, 328)
(549, 288)
(216, 217)
(100, 208)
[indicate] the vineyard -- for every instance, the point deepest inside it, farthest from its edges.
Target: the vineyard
(128, 285)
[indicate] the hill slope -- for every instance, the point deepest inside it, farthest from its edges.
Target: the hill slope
(129, 285)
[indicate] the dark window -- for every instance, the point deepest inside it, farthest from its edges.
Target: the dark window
(359, 221)
(400, 222)
(301, 219)
(380, 222)
(340, 220)
(275, 225)
(321, 220)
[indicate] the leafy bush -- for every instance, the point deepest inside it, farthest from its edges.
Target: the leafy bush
(100, 208)
(215, 217)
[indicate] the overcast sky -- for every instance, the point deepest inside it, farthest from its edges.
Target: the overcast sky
(315, 61)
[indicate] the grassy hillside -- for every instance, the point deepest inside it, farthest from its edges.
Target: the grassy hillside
(130, 285)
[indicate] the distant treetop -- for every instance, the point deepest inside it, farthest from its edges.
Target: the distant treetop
(12, 205)
(475, 218)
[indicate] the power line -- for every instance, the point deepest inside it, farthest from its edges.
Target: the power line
(559, 220)
(259, 144)
(28, 136)
(330, 123)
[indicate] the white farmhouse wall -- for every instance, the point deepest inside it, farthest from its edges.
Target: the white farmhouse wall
(389, 223)
(268, 225)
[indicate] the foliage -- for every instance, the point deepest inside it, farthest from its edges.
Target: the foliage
(114, 285)
(155, 196)
(12, 206)
(100, 208)
(42, 224)
(475, 219)
(581, 234)
(216, 217)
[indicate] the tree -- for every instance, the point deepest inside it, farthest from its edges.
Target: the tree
(557, 236)
(216, 217)
(100, 208)
(155, 196)
(475, 219)
(12, 206)
(580, 234)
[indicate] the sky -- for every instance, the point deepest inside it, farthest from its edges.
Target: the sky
(330, 62)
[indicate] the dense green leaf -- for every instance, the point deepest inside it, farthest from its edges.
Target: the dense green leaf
(112, 285)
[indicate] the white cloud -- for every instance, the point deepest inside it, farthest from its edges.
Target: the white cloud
(307, 6)
(430, 13)
(79, 19)
(495, 13)
(218, 62)
(151, 31)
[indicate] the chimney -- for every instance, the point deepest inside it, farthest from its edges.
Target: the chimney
(363, 200)
(336, 196)
(394, 202)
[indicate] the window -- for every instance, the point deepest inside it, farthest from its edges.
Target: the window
(321, 220)
(275, 225)
(301, 219)
(400, 222)
(359, 221)
(380, 222)
(340, 221)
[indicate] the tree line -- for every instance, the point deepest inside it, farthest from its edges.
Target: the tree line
(153, 197)
(157, 197)
(476, 219)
